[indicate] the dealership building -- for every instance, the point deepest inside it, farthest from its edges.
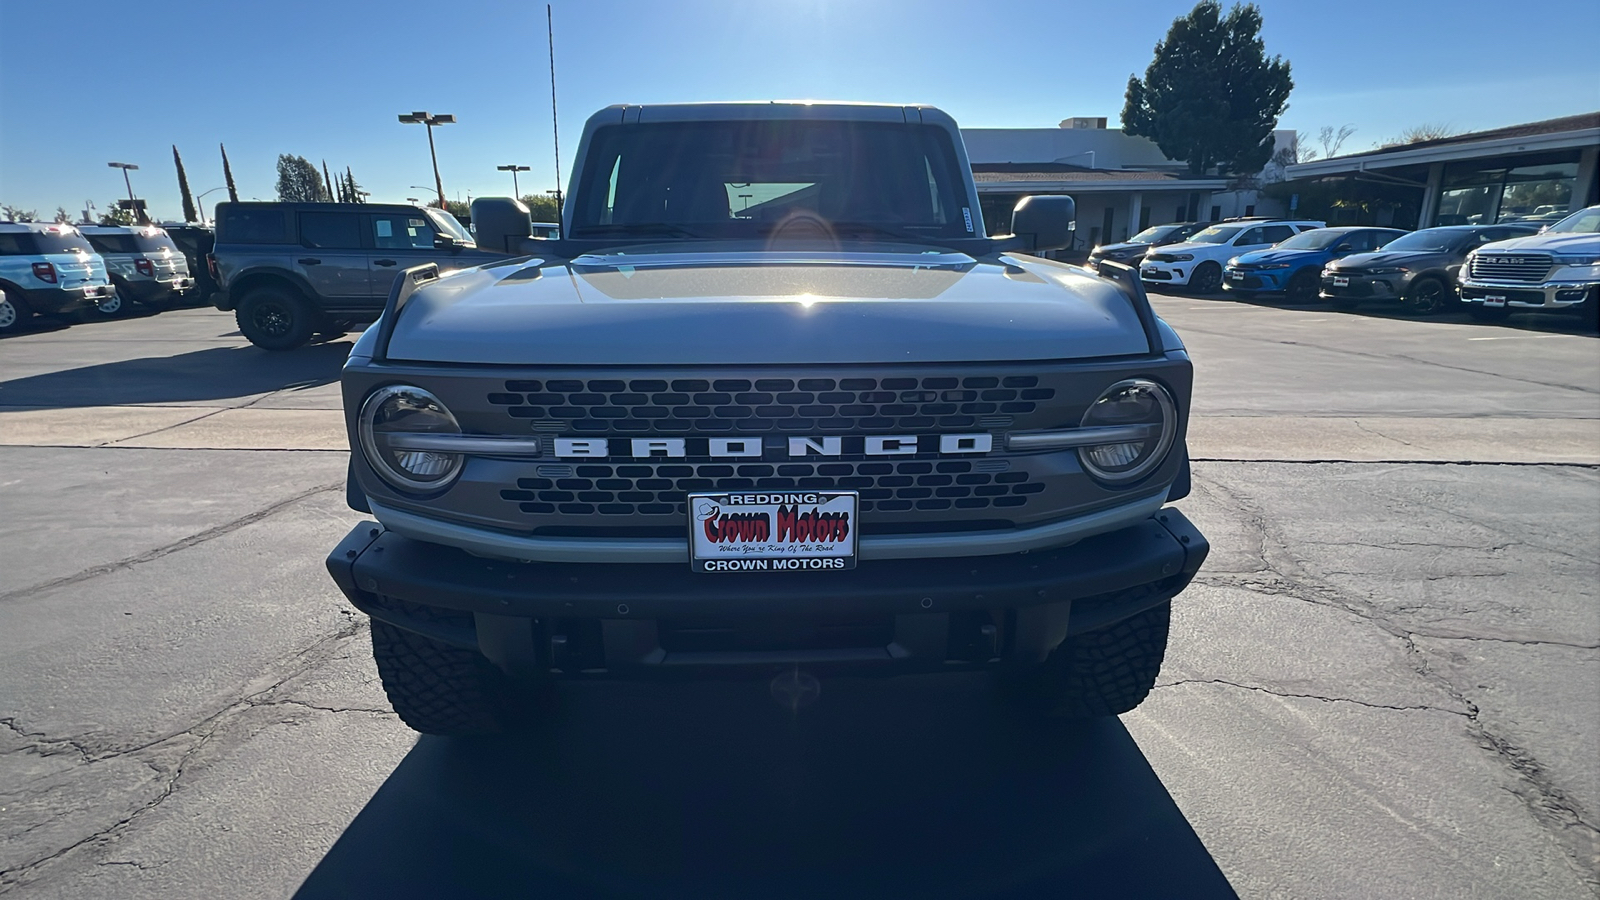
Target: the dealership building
(1538, 172)
(1120, 183)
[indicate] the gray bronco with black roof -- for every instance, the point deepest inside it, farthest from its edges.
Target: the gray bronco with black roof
(773, 404)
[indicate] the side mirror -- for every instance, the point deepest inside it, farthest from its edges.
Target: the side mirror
(445, 242)
(1045, 222)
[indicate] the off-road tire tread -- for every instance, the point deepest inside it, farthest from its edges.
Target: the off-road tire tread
(305, 319)
(1105, 672)
(439, 689)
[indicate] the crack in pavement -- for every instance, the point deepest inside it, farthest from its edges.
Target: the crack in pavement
(1376, 433)
(182, 544)
(317, 654)
(1281, 573)
(1277, 693)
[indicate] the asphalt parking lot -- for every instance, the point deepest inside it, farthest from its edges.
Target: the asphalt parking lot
(1384, 683)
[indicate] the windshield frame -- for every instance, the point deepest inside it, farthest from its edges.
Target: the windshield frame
(1327, 236)
(447, 224)
(948, 191)
(1216, 234)
(1163, 230)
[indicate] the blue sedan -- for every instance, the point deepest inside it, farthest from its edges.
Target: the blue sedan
(1294, 267)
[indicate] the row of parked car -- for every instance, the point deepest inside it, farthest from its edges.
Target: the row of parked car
(73, 272)
(1490, 268)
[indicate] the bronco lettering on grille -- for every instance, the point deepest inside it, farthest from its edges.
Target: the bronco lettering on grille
(752, 447)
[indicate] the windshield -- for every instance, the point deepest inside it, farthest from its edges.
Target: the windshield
(448, 224)
(130, 242)
(1429, 239)
(1153, 234)
(1216, 234)
(1584, 221)
(1319, 239)
(803, 179)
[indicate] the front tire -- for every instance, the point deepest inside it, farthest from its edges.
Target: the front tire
(1206, 279)
(440, 689)
(1100, 673)
(1426, 297)
(275, 319)
(1302, 287)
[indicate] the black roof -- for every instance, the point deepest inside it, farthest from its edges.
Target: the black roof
(320, 207)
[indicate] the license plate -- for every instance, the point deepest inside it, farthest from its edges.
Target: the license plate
(1340, 282)
(773, 531)
(1493, 300)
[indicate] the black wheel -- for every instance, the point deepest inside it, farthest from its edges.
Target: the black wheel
(439, 689)
(1206, 279)
(1101, 673)
(1302, 287)
(14, 312)
(1488, 313)
(1426, 297)
(275, 319)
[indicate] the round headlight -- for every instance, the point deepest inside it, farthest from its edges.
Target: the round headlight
(395, 413)
(1137, 401)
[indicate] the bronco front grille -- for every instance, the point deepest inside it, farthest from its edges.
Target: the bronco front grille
(770, 405)
(1521, 268)
(658, 488)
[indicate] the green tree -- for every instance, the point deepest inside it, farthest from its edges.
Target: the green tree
(541, 206)
(454, 207)
(227, 173)
(18, 214)
(1211, 96)
(189, 215)
(62, 216)
(116, 215)
(327, 181)
(298, 181)
(353, 191)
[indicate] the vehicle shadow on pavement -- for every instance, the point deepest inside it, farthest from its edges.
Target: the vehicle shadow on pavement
(215, 373)
(913, 787)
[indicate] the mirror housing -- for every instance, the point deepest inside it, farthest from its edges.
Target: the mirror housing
(1045, 222)
(445, 242)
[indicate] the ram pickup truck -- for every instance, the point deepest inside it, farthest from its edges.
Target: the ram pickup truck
(773, 404)
(1559, 268)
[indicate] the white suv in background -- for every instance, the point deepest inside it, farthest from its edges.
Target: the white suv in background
(1558, 268)
(1197, 263)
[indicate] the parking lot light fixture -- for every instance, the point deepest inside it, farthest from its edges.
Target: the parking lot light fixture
(423, 117)
(132, 205)
(516, 191)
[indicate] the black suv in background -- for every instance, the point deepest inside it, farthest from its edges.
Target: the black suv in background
(195, 243)
(1131, 251)
(292, 270)
(1418, 271)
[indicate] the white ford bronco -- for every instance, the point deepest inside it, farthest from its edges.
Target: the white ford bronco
(773, 403)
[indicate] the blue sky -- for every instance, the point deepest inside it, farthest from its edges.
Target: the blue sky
(124, 81)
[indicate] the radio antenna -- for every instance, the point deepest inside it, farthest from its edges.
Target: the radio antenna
(555, 125)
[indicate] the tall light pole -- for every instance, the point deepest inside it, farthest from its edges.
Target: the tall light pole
(133, 207)
(202, 197)
(516, 191)
(423, 117)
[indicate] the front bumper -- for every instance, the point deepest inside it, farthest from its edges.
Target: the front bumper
(632, 619)
(1255, 280)
(1548, 295)
(58, 300)
(1364, 287)
(1166, 273)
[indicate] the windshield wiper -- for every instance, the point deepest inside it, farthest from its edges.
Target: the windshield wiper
(885, 230)
(652, 229)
